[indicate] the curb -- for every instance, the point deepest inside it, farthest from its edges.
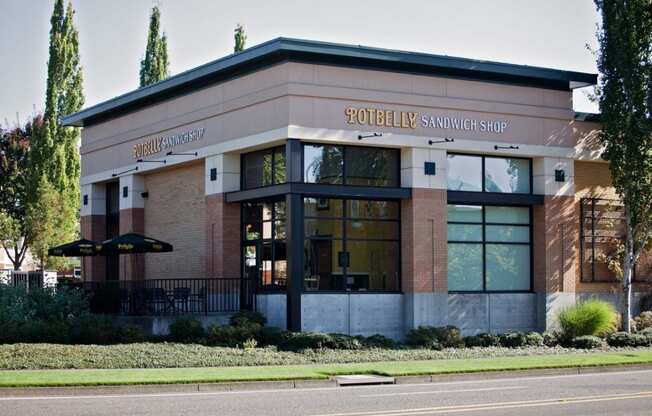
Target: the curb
(302, 384)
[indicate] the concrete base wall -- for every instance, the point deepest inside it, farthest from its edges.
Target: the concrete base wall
(274, 308)
(473, 313)
(160, 325)
(354, 314)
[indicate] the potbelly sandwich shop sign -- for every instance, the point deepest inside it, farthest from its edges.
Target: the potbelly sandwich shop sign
(156, 145)
(412, 120)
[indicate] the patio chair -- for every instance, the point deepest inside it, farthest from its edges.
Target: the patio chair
(181, 298)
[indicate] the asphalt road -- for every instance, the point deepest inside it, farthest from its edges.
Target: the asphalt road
(615, 393)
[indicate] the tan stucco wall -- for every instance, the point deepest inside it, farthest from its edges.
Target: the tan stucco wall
(315, 96)
(175, 212)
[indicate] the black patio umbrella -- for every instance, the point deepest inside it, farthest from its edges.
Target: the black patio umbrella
(77, 248)
(132, 243)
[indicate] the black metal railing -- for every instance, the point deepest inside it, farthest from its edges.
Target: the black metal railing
(168, 296)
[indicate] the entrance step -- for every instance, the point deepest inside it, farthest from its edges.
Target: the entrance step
(363, 379)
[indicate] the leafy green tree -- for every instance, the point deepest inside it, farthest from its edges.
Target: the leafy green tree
(48, 218)
(625, 97)
(240, 39)
(154, 66)
(15, 236)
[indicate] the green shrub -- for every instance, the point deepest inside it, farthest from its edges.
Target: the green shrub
(482, 340)
(513, 339)
(643, 321)
(533, 339)
(271, 335)
(587, 342)
(343, 342)
(550, 339)
(647, 333)
(132, 334)
(232, 336)
(378, 341)
(246, 318)
(625, 339)
(186, 329)
(435, 337)
(297, 341)
(94, 329)
(592, 317)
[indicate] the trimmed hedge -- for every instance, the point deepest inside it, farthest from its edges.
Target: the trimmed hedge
(187, 329)
(625, 339)
(587, 342)
(435, 337)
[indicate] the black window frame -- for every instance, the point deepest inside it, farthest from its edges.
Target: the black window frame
(280, 149)
(484, 242)
(344, 147)
(483, 171)
(260, 242)
(345, 218)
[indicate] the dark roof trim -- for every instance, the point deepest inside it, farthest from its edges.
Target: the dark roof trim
(296, 50)
(593, 117)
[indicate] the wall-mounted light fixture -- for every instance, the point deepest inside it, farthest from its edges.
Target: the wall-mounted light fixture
(122, 173)
(213, 174)
(496, 147)
(560, 175)
(446, 140)
(151, 161)
(360, 136)
(429, 168)
(85, 199)
(144, 194)
(125, 191)
(171, 153)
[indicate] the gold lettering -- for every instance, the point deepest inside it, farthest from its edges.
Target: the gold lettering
(380, 117)
(388, 118)
(413, 120)
(362, 117)
(372, 115)
(350, 114)
(395, 117)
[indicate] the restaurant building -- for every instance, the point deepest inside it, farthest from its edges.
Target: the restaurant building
(357, 190)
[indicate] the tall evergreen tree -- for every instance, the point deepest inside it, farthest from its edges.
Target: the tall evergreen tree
(240, 38)
(154, 66)
(625, 96)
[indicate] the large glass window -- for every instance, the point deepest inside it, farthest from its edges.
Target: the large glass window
(263, 168)
(264, 234)
(489, 174)
(350, 165)
(351, 245)
(489, 248)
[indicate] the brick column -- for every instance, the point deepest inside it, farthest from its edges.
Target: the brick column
(424, 259)
(93, 227)
(132, 220)
(555, 238)
(222, 219)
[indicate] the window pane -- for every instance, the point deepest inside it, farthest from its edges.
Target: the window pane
(464, 213)
(267, 230)
(382, 230)
(321, 268)
(507, 215)
(279, 165)
(507, 175)
(323, 228)
(508, 267)
(323, 164)
(464, 267)
(371, 167)
(266, 265)
(279, 210)
(372, 209)
(373, 265)
(508, 233)
(252, 212)
(464, 232)
(280, 265)
(253, 231)
(464, 173)
(279, 230)
(323, 207)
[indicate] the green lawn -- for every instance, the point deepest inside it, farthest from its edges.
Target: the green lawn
(89, 377)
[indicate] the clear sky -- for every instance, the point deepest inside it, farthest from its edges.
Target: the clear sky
(549, 33)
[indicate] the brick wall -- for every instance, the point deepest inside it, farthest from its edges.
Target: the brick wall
(175, 212)
(222, 238)
(93, 227)
(424, 236)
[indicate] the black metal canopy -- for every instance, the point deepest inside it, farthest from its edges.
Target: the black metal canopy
(79, 248)
(132, 243)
